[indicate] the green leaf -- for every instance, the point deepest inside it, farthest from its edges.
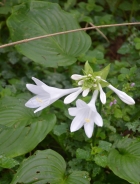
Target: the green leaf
(20, 126)
(124, 161)
(14, 113)
(7, 162)
(103, 73)
(101, 159)
(26, 138)
(124, 49)
(47, 167)
(38, 18)
(83, 154)
(118, 113)
(88, 69)
(105, 145)
(137, 43)
(60, 129)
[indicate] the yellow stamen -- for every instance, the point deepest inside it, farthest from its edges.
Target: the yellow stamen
(87, 120)
(39, 100)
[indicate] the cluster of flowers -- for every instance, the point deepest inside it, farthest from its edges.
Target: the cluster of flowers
(84, 114)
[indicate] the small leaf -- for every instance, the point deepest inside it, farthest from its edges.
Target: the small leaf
(60, 129)
(106, 146)
(117, 113)
(101, 159)
(83, 154)
(103, 73)
(88, 69)
(7, 162)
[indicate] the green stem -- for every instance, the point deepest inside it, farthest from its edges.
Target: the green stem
(96, 127)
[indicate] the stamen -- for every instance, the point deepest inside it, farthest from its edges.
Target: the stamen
(87, 120)
(39, 100)
(98, 77)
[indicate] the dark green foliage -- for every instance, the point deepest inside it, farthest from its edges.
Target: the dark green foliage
(112, 155)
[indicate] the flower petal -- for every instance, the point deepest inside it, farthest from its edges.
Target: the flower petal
(70, 98)
(37, 81)
(58, 93)
(81, 103)
(80, 82)
(42, 107)
(122, 95)
(91, 104)
(37, 101)
(36, 89)
(102, 95)
(85, 92)
(76, 77)
(78, 121)
(98, 119)
(73, 111)
(89, 127)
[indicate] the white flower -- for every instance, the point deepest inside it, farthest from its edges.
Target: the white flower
(122, 95)
(102, 94)
(97, 82)
(45, 95)
(85, 115)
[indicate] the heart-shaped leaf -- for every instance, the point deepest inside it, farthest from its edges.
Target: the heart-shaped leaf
(125, 160)
(47, 167)
(38, 18)
(20, 129)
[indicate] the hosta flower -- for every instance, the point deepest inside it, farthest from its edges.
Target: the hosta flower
(46, 95)
(96, 82)
(85, 115)
(122, 95)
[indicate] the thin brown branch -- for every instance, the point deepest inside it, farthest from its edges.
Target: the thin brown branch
(98, 30)
(66, 32)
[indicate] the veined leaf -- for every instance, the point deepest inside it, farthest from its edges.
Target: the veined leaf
(18, 141)
(125, 160)
(38, 18)
(47, 167)
(14, 113)
(7, 162)
(20, 129)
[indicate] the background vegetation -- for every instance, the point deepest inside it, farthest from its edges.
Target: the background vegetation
(114, 155)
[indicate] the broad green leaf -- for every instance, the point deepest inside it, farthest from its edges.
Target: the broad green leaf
(47, 167)
(14, 113)
(18, 141)
(20, 129)
(38, 18)
(77, 177)
(124, 161)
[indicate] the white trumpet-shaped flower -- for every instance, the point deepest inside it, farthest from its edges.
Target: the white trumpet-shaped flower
(122, 95)
(97, 82)
(45, 95)
(85, 115)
